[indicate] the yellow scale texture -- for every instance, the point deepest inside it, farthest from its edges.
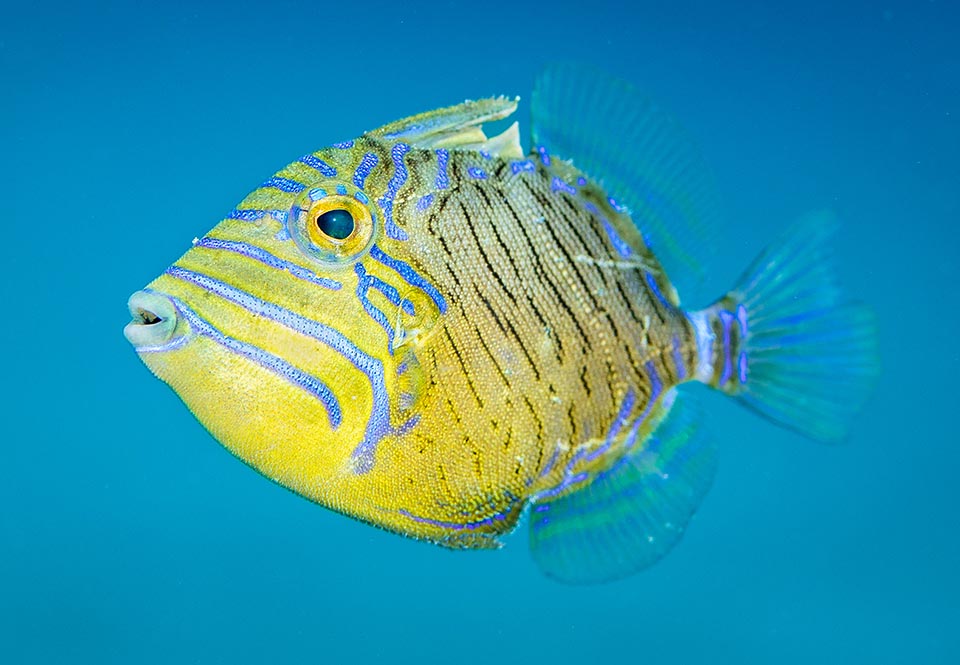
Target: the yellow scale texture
(547, 329)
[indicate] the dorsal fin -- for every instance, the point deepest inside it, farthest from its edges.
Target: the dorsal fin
(642, 158)
(458, 127)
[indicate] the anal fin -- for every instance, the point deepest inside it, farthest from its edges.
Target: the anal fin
(629, 516)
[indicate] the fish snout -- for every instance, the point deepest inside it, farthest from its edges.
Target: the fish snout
(154, 319)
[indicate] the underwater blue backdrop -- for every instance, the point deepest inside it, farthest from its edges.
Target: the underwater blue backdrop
(128, 535)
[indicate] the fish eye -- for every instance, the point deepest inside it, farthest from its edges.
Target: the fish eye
(333, 223)
(338, 224)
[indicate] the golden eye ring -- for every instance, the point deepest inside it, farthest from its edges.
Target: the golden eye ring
(333, 223)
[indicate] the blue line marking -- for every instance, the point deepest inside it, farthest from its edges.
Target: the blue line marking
(378, 424)
(425, 202)
(468, 525)
(343, 145)
(476, 173)
(362, 198)
(656, 387)
(248, 215)
(619, 244)
(390, 293)
(678, 359)
(407, 131)
(364, 168)
(318, 164)
(275, 364)
(316, 194)
(443, 157)
(254, 214)
(399, 177)
(410, 276)
(626, 406)
(549, 466)
(544, 156)
(558, 185)
(284, 185)
(727, 319)
(363, 286)
(622, 209)
(742, 320)
(521, 166)
(342, 190)
(265, 257)
(652, 283)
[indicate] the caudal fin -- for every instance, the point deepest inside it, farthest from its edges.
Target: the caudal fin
(786, 344)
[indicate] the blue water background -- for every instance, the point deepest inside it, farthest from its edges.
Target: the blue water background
(127, 535)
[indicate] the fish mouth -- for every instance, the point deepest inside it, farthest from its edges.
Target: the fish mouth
(154, 319)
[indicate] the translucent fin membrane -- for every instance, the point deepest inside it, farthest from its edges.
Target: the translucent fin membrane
(811, 359)
(633, 514)
(449, 127)
(643, 159)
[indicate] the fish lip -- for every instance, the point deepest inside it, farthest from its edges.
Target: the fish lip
(154, 319)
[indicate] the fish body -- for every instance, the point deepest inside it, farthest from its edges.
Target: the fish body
(433, 332)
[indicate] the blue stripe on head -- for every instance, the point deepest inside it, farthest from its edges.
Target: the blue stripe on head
(267, 360)
(284, 185)
(318, 164)
(411, 276)
(399, 177)
(265, 257)
(256, 214)
(378, 424)
(363, 286)
(364, 168)
(248, 215)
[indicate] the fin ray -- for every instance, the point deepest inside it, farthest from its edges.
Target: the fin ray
(811, 359)
(631, 515)
(643, 159)
(449, 127)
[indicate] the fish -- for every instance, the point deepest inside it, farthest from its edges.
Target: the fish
(444, 335)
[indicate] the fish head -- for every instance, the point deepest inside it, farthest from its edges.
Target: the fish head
(292, 329)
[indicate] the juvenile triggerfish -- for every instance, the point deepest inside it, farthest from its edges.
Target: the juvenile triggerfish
(435, 332)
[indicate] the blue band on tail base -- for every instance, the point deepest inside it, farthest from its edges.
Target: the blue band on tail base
(807, 360)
